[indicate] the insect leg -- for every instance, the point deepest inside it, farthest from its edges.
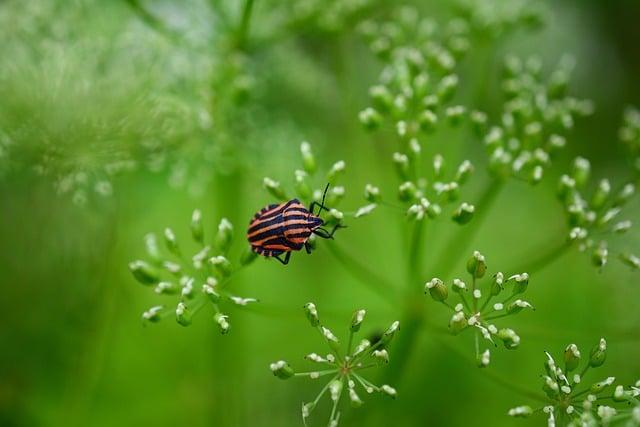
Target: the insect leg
(307, 247)
(284, 261)
(321, 204)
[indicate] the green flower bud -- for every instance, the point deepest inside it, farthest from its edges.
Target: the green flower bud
(437, 289)
(381, 97)
(222, 265)
(620, 395)
(312, 314)
(248, 256)
(509, 338)
(381, 355)
(166, 288)
(356, 320)
(331, 339)
(625, 194)
(364, 345)
(356, 402)
(599, 387)
(457, 323)
(447, 87)
(479, 121)
(144, 273)
(153, 314)
(464, 213)
(308, 160)
(571, 357)
(335, 389)
(431, 103)
(390, 333)
(209, 289)
(222, 322)
(455, 114)
(171, 241)
(476, 266)
(598, 354)
(306, 411)
(372, 194)
(197, 231)
(301, 185)
(151, 245)
(281, 369)
(498, 284)
(336, 170)
(556, 142)
(273, 187)
(631, 260)
(521, 412)
(389, 391)
(407, 191)
(520, 282)
(401, 162)
(459, 286)
(370, 118)
(599, 256)
(581, 171)
(365, 210)
(225, 235)
(183, 316)
(517, 306)
(601, 195)
(464, 172)
(427, 120)
(484, 359)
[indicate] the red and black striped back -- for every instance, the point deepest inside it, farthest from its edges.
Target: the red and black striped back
(279, 228)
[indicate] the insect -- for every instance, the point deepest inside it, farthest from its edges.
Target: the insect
(286, 227)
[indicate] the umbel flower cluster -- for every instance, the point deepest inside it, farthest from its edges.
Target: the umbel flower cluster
(343, 365)
(197, 280)
(535, 117)
(629, 134)
(474, 309)
(575, 402)
(594, 219)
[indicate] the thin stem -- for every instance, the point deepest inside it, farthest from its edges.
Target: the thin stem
(363, 274)
(350, 342)
(324, 390)
(318, 373)
(243, 30)
(335, 406)
(474, 300)
(153, 22)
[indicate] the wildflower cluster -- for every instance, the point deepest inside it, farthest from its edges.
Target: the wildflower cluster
(324, 16)
(476, 312)
(342, 365)
(629, 134)
(495, 18)
(536, 115)
(594, 219)
(198, 280)
(593, 404)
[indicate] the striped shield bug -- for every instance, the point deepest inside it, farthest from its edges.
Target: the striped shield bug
(282, 228)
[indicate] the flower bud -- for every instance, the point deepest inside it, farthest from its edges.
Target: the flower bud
(336, 170)
(301, 184)
(601, 195)
(598, 354)
(183, 316)
(225, 235)
(372, 194)
(364, 344)
(517, 306)
(457, 323)
(631, 260)
(437, 289)
(497, 284)
(308, 160)
(282, 370)
(598, 387)
(571, 357)
(464, 213)
(381, 355)
(153, 314)
(509, 338)
(370, 118)
(354, 398)
(455, 115)
(171, 241)
(151, 246)
(166, 288)
(581, 171)
(274, 188)
(599, 256)
(401, 162)
(390, 333)
(476, 265)
(312, 314)
(381, 97)
(335, 389)
(197, 231)
(521, 411)
(332, 340)
(625, 194)
(464, 172)
(447, 87)
(306, 410)
(209, 289)
(484, 359)
(144, 273)
(479, 121)
(389, 391)
(407, 191)
(520, 282)
(221, 264)
(459, 286)
(222, 322)
(427, 120)
(357, 319)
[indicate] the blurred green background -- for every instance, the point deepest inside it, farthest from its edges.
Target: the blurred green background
(84, 84)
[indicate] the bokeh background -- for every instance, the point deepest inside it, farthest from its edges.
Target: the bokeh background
(188, 122)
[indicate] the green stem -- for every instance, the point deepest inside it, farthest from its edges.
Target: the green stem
(413, 317)
(243, 30)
